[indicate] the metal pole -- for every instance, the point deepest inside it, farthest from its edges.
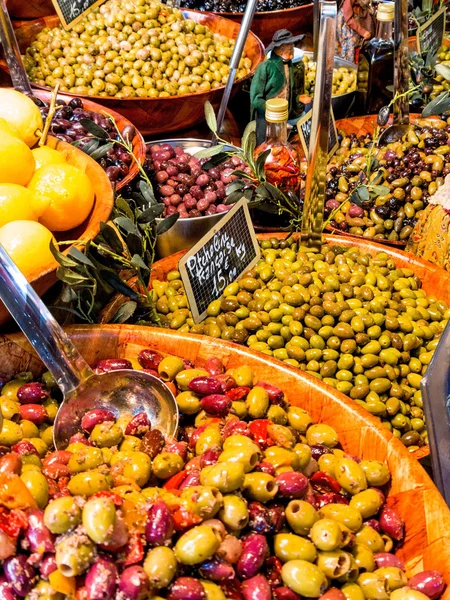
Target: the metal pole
(401, 62)
(12, 53)
(316, 25)
(313, 208)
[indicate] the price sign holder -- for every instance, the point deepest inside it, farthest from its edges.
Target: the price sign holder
(219, 258)
(72, 11)
(304, 133)
(430, 35)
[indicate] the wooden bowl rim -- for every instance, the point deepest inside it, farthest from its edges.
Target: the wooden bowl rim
(259, 57)
(139, 147)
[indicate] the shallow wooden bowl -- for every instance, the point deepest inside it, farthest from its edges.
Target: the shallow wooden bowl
(297, 20)
(412, 493)
(43, 279)
(161, 115)
(435, 281)
(139, 148)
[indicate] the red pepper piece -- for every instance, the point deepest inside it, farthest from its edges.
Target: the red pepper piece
(134, 550)
(260, 434)
(115, 498)
(324, 481)
(62, 484)
(182, 518)
(12, 522)
(237, 393)
(174, 482)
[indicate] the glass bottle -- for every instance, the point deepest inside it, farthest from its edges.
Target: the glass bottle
(376, 64)
(282, 163)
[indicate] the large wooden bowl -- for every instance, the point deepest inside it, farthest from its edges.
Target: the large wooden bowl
(435, 281)
(297, 20)
(139, 148)
(44, 278)
(412, 493)
(161, 115)
(22, 9)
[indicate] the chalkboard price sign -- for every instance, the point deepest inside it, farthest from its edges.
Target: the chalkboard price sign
(71, 11)
(304, 133)
(430, 35)
(219, 258)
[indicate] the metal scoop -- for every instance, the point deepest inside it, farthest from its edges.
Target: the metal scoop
(12, 53)
(401, 124)
(123, 392)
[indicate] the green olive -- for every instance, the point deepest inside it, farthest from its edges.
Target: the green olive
(226, 477)
(304, 578)
(62, 514)
(197, 545)
(99, 517)
(261, 487)
(89, 483)
(301, 516)
(37, 485)
(288, 546)
(160, 565)
(74, 554)
(234, 512)
(326, 534)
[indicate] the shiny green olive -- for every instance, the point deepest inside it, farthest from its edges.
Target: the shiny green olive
(160, 565)
(203, 500)
(170, 367)
(370, 538)
(364, 557)
(234, 512)
(89, 483)
(334, 563)
(44, 591)
(301, 516)
(257, 402)
(167, 464)
(208, 438)
(377, 473)
(197, 545)
(99, 517)
(350, 475)
(368, 502)
(74, 554)
(282, 457)
(346, 515)
(299, 419)
(304, 578)
(373, 586)
(243, 376)
(106, 435)
(85, 459)
(62, 514)
(37, 485)
(322, 434)
(304, 454)
(407, 593)
(226, 477)
(326, 534)
(185, 376)
(10, 434)
(188, 402)
(261, 487)
(249, 456)
(212, 590)
(395, 577)
(288, 546)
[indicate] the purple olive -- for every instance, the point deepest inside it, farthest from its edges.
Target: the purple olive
(32, 393)
(222, 208)
(285, 593)
(205, 385)
(6, 590)
(192, 479)
(276, 396)
(216, 404)
(430, 583)
(265, 467)
(20, 574)
(139, 425)
(186, 588)
(166, 190)
(277, 517)
(253, 555)
(112, 364)
(161, 177)
(38, 536)
(355, 211)
(374, 524)
(210, 456)
(48, 565)
(333, 594)
(332, 204)
(259, 518)
(292, 484)
(216, 569)
(214, 366)
(96, 417)
(235, 427)
(113, 173)
(134, 583)
(202, 180)
(386, 559)
(256, 588)
(159, 527)
(391, 523)
(100, 581)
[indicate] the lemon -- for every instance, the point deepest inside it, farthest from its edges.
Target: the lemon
(22, 115)
(71, 195)
(16, 203)
(47, 156)
(16, 160)
(5, 127)
(28, 244)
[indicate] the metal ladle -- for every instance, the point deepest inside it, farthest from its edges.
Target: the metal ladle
(401, 124)
(11, 49)
(123, 392)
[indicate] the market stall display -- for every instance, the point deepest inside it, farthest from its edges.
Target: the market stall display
(168, 517)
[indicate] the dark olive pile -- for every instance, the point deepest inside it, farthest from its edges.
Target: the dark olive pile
(239, 5)
(66, 126)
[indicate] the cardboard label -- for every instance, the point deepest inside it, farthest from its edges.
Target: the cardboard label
(71, 11)
(219, 258)
(430, 35)
(304, 133)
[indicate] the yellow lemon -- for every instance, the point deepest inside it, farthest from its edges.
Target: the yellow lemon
(16, 160)
(16, 203)
(71, 195)
(5, 127)
(22, 114)
(28, 244)
(47, 156)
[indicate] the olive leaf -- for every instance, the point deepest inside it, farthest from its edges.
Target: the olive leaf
(126, 224)
(70, 277)
(363, 193)
(95, 129)
(380, 190)
(251, 128)
(101, 151)
(122, 205)
(233, 197)
(167, 223)
(238, 184)
(439, 105)
(243, 174)
(138, 262)
(268, 208)
(80, 257)
(111, 238)
(116, 283)
(211, 151)
(147, 191)
(210, 117)
(134, 243)
(355, 198)
(215, 161)
(443, 70)
(125, 312)
(260, 162)
(151, 213)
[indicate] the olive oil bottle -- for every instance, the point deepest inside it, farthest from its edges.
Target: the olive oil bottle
(376, 64)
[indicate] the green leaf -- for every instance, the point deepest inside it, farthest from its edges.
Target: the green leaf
(125, 312)
(248, 194)
(262, 191)
(111, 238)
(234, 186)
(138, 262)
(275, 192)
(80, 257)
(147, 191)
(377, 179)
(70, 277)
(439, 105)
(251, 128)
(126, 224)
(90, 146)
(116, 283)
(215, 161)
(211, 151)
(63, 260)
(443, 70)
(268, 208)
(95, 129)
(249, 148)
(167, 223)
(122, 205)
(134, 243)
(380, 190)
(363, 193)
(355, 198)
(210, 117)
(242, 174)
(101, 151)
(260, 162)
(233, 197)
(151, 213)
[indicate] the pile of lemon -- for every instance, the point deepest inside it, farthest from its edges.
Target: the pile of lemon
(40, 193)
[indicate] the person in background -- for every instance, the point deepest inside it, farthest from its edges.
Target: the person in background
(355, 23)
(278, 77)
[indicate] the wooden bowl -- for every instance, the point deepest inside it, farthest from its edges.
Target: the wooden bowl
(44, 278)
(139, 148)
(20, 9)
(161, 115)
(412, 493)
(435, 281)
(297, 20)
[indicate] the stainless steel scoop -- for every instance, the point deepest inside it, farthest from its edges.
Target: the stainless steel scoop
(12, 53)
(122, 392)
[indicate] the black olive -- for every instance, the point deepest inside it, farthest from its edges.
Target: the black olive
(383, 115)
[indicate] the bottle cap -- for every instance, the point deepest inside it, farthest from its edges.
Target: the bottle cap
(386, 11)
(276, 110)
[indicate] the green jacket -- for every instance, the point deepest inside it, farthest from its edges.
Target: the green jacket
(269, 80)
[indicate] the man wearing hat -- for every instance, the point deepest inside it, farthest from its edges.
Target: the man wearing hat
(277, 77)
